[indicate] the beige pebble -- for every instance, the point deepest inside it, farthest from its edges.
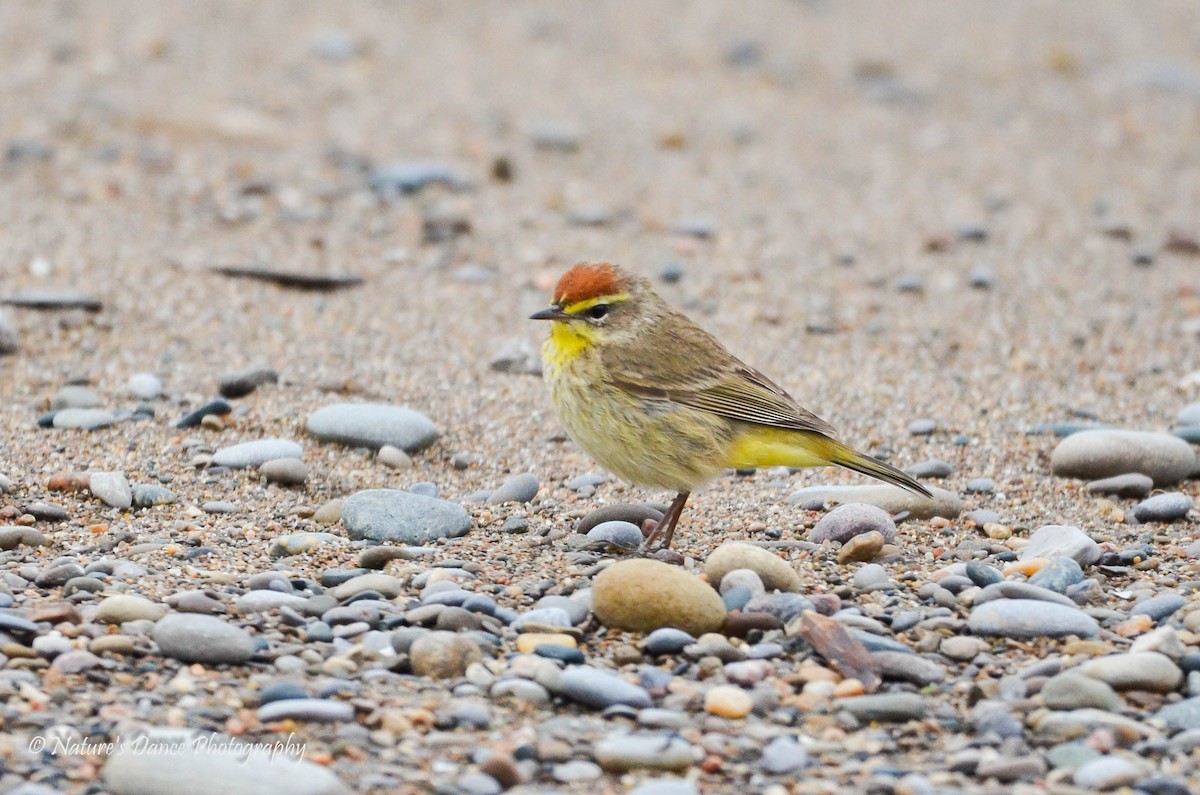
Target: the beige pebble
(997, 531)
(728, 701)
(394, 458)
(529, 641)
(861, 548)
(848, 687)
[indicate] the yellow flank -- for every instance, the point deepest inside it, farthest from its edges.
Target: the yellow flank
(763, 446)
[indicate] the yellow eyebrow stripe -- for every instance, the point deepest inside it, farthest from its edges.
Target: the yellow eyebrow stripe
(580, 306)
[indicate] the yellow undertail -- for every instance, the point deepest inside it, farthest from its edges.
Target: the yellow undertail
(767, 447)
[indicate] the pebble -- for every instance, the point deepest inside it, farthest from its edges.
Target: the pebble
(851, 519)
(1133, 485)
(575, 771)
(1074, 690)
(775, 572)
(313, 710)
(666, 786)
(148, 495)
(620, 752)
(144, 386)
(907, 667)
(120, 608)
(872, 577)
(191, 762)
(330, 512)
(861, 548)
(13, 536)
(783, 755)
(1159, 607)
(1096, 454)
(443, 655)
(621, 535)
(884, 707)
(218, 506)
(84, 419)
(1029, 618)
(922, 427)
(192, 637)
(213, 408)
(384, 584)
(934, 469)
(75, 396)
(520, 489)
(666, 640)
(256, 453)
(963, 647)
(301, 543)
(600, 689)
(1055, 541)
(634, 513)
(644, 595)
(1011, 768)
(982, 574)
(728, 701)
(401, 517)
(373, 425)
(284, 471)
(1135, 671)
(264, 600)
(1107, 773)
(1183, 715)
(111, 488)
(1015, 589)
(891, 499)
(393, 457)
(1163, 508)
(243, 382)
(1058, 575)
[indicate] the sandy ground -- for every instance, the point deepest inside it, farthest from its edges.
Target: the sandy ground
(835, 151)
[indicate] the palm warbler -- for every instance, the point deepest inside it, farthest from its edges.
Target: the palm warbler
(661, 403)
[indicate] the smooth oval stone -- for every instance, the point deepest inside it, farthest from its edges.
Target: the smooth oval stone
(644, 595)
(1107, 773)
(521, 488)
(1030, 618)
(111, 488)
(1183, 715)
(284, 471)
(1134, 484)
(621, 752)
(1189, 415)
(300, 543)
(401, 517)
(256, 453)
(218, 408)
(851, 519)
(145, 386)
(1074, 690)
(443, 655)
(982, 574)
(775, 572)
(1061, 541)
(75, 396)
(192, 637)
(262, 600)
(665, 786)
(884, 707)
(1015, 589)
(1096, 454)
(315, 710)
(84, 419)
(147, 495)
(120, 608)
(622, 535)
(1163, 508)
(373, 425)
(1159, 607)
(191, 762)
(599, 689)
(892, 499)
(1135, 671)
(933, 468)
(667, 640)
(1058, 575)
(243, 382)
(634, 513)
(13, 536)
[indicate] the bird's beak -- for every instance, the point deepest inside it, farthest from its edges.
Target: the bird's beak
(550, 313)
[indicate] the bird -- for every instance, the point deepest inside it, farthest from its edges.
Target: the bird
(661, 403)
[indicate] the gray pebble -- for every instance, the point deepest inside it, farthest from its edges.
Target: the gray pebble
(1135, 671)
(393, 516)
(1182, 715)
(872, 577)
(243, 382)
(618, 752)
(922, 427)
(981, 486)
(192, 637)
(313, 710)
(1074, 690)
(783, 755)
(1163, 507)
(520, 488)
(1133, 484)
(934, 468)
(13, 536)
(666, 640)
(665, 786)
(284, 471)
(218, 506)
(1159, 607)
(217, 408)
(393, 457)
(634, 513)
(575, 771)
(256, 453)
(1058, 575)
(75, 396)
(147, 495)
(1054, 541)
(884, 707)
(982, 574)
(1107, 772)
(851, 519)
(144, 386)
(373, 425)
(600, 689)
(111, 488)
(621, 535)
(84, 419)
(1029, 618)
(1096, 454)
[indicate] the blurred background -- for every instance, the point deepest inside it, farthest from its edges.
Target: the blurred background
(976, 189)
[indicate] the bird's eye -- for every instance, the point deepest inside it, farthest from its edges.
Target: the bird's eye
(597, 312)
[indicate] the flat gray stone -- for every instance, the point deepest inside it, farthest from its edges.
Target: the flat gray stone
(373, 425)
(1182, 715)
(600, 689)
(1147, 670)
(84, 419)
(851, 519)
(892, 499)
(1134, 484)
(192, 637)
(315, 710)
(401, 517)
(190, 762)
(1163, 507)
(520, 488)
(256, 453)
(1092, 455)
(1030, 618)
(884, 707)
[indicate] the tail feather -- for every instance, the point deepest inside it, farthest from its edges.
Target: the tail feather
(850, 459)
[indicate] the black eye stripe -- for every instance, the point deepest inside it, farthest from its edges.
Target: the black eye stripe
(597, 312)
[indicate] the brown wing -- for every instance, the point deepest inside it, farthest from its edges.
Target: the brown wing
(670, 371)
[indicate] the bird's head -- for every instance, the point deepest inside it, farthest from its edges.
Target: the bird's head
(595, 301)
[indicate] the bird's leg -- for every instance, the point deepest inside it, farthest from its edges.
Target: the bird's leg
(666, 525)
